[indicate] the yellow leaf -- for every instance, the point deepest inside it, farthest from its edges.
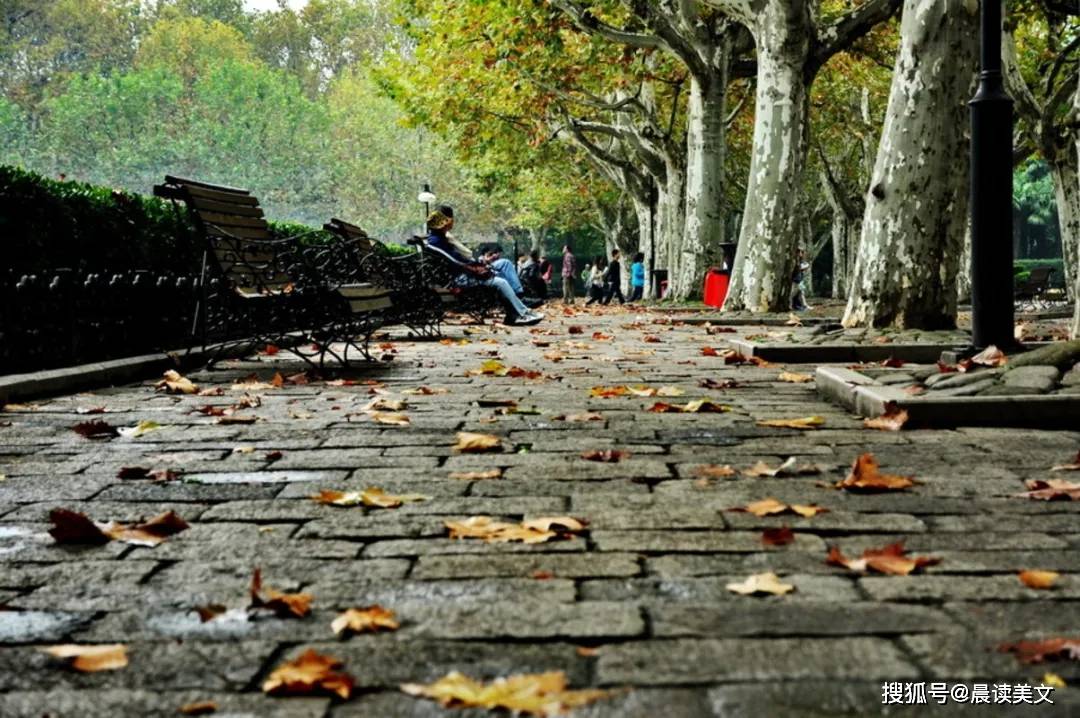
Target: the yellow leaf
(91, 659)
(174, 383)
(491, 367)
(470, 443)
(806, 422)
(393, 419)
(1039, 579)
(761, 583)
(143, 427)
(310, 673)
(541, 694)
(1053, 679)
(477, 475)
(766, 507)
(382, 404)
(491, 531)
(372, 496)
(369, 618)
(794, 377)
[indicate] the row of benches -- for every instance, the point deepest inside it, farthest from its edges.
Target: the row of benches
(322, 299)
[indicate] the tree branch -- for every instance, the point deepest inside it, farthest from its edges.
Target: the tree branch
(593, 26)
(843, 32)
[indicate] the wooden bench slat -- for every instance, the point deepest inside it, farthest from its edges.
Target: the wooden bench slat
(245, 232)
(220, 196)
(173, 179)
(202, 204)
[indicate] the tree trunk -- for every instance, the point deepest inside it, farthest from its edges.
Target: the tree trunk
(963, 274)
(916, 211)
(670, 225)
(1067, 193)
(766, 255)
(704, 228)
(646, 220)
(1076, 287)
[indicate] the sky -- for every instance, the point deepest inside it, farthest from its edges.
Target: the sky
(272, 4)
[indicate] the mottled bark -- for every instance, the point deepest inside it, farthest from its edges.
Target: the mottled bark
(705, 149)
(766, 255)
(916, 212)
(963, 275)
(1067, 193)
(670, 223)
(647, 238)
(845, 228)
(1076, 287)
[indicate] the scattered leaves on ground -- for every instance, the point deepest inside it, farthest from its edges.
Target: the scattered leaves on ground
(804, 423)
(310, 673)
(767, 582)
(540, 694)
(772, 507)
(1051, 490)
(893, 419)
(537, 530)
(1038, 579)
(369, 619)
(607, 456)
(175, 383)
(372, 496)
(1046, 649)
(864, 476)
(888, 560)
(284, 605)
(91, 658)
(470, 443)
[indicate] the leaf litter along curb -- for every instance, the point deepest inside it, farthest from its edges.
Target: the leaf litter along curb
(891, 560)
(372, 496)
(540, 694)
(538, 530)
(72, 527)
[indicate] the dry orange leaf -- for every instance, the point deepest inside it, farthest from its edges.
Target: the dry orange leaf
(389, 418)
(477, 475)
(370, 618)
(72, 527)
(770, 506)
(175, 383)
(864, 476)
(767, 582)
(148, 533)
(794, 377)
(284, 605)
(1052, 490)
(1039, 579)
(541, 694)
(311, 673)
(199, 708)
(470, 443)
(893, 419)
(888, 560)
(606, 392)
(424, 391)
(91, 659)
(709, 352)
(372, 496)
(1047, 649)
(806, 422)
(535, 531)
(713, 471)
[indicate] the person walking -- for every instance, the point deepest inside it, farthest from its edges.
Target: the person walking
(637, 277)
(596, 280)
(569, 271)
(613, 280)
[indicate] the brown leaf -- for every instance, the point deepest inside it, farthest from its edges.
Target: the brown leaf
(149, 533)
(477, 475)
(651, 339)
(210, 611)
(608, 456)
(1038, 579)
(586, 416)
(709, 352)
(777, 536)
(201, 708)
(1052, 490)
(549, 523)
(713, 471)
(372, 497)
(770, 506)
(713, 384)
(804, 423)
(91, 659)
(864, 476)
(133, 472)
(1047, 649)
(536, 531)
(310, 673)
(96, 429)
(720, 330)
(471, 443)
(795, 377)
(284, 605)
(211, 410)
(892, 363)
(237, 419)
(369, 619)
(424, 391)
(893, 419)
(71, 527)
(761, 583)
(90, 410)
(889, 560)
(541, 694)
(575, 329)
(273, 455)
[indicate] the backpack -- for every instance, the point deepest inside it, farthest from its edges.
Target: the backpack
(531, 281)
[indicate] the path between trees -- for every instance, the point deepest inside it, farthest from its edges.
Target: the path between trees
(638, 599)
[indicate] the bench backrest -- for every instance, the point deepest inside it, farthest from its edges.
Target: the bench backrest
(351, 233)
(236, 231)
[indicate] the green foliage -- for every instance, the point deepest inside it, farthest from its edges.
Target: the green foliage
(1022, 270)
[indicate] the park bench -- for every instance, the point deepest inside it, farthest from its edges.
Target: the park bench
(362, 258)
(261, 289)
(1031, 292)
(443, 273)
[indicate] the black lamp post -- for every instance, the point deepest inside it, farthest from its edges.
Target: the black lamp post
(991, 192)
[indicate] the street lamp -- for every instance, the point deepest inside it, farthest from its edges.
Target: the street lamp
(991, 193)
(427, 197)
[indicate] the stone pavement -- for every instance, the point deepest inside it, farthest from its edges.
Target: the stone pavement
(638, 601)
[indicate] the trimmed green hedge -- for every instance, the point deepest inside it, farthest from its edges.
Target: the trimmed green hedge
(1022, 270)
(46, 224)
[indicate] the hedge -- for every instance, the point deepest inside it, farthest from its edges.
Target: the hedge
(1022, 270)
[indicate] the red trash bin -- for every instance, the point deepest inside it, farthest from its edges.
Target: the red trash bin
(716, 286)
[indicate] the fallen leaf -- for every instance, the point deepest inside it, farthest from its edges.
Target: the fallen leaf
(770, 507)
(889, 560)
(90, 410)
(793, 321)
(95, 429)
(794, 377)
(777, 536)
(601, 337)
(201, 708)
(277, 381)
(91, 659)
(389, 418)
(369, 619)
(761, 583)
(789, 467)
(608, 456)
(587, 416)
(213, 391)
(709, 352)
(713, 471)
(211, 410)
(310, 673)
(1053, 679)
(1052, 490)
(575, 329)
(284, 605)
(491, 531)
(210, 611)
(720, 330)
(471, 443)
(547, 523)
(651, 339)
(990, 356)
(72, 527)
(1047, 649)
(424, 391)
(542, 575)
(490, 368)
(864, 476)
(713, 384)
(540, 694)
(1074, 466)
(273, 455)
(477, 475)
(373, 496)
(1038, 579)
(237, 419)
(606, 392)
(174, 383)
(133, 472)
(384, 404)
(892, 363)
(806, 422)
(148, 533)
(893, 419)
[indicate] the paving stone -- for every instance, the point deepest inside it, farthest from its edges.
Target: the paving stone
(264, 477)
(951, 381)
(831, 522)
(562, 565)
(688, 661)
(1040, 379)
(969, 657)
(389, 593)
(109, 703)
(31, 489)
(443, 546)
(543, 487)
(696, 541)
(653, 590)
(967, 588)
(40, 626)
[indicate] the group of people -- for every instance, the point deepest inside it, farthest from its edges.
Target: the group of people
(524, 287)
